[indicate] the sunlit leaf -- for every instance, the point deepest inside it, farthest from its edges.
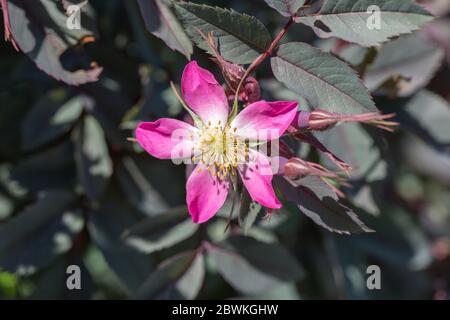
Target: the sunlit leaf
(50, 118)
(105, 227)
(366, 22)
(319, 202)
(240, 38)
(253, 267)
(411, 58)
(40, 30)
(45, 229)
(324, 80)
(161, 22)
(94, 165)
(179, 277)
(287, 8)
(161, 232)
(354, 145)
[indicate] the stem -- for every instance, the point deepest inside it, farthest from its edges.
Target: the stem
(257, 62)
(198, 122)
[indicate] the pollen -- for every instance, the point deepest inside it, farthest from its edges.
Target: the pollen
(220, 150)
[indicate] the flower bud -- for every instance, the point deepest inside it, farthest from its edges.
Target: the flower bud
(319, 120)
(232, 73)
(252, 90)
(297, 168)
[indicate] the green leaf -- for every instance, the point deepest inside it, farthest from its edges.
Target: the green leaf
(6, 206)
(354, 145)
(319, 202)
(50, 118)
(51, 282)
(179, 277)
(52, 169)
(432, 113)
(426, 159)
(427, 115)
(46, 229)
(287, 8)
(40, 30)
(134, 177)
(352, 21)
(103, 275)
(162, 23)
(240, 38)
(94, 165)
(324, 80)
(161, 232)
(253, 267)
(8, 285)
(248, 212)
(106, 226)
(399, 241)
(410, 57)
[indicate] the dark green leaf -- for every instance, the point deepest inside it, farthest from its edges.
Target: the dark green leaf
(431, 113)
(324, 80)
(32, 239)
(248, 212)
(40, 30)
(161, 232)
(411, 57)
(51, 282)
(320, 203)
(161, 22)
(94, 165)
(50, 118)
(426, 159)
(240, 38)
(105, 227)
(354, 145)
(52, 169)
(152, 185)
(253, 267)
(399, 241)
(353, 21)
(287, 8)
(179, 277)
(103, 275)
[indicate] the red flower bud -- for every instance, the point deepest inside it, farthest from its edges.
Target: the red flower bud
(233, 73)
(297, 168)
(319, 120)
(252, 90)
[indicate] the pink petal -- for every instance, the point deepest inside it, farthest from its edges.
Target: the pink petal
(203, 94)
(264, 120)
(257, 177)
(205, 194)
(166, 138)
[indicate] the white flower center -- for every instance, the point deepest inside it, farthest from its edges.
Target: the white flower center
(220, 150)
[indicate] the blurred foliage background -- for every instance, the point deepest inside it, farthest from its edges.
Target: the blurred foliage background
(73, 190)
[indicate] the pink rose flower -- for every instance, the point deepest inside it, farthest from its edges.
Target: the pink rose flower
(220, 145)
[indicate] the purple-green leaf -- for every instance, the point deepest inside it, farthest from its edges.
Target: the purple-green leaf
(366, 22)
(324, 80)
(319, 202)
(287, 8)
(39, 29)
(162, 23)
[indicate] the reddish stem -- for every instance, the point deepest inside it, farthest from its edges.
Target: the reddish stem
(272, 46)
